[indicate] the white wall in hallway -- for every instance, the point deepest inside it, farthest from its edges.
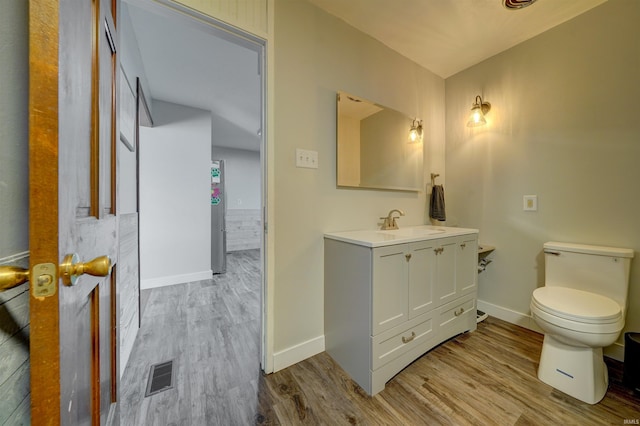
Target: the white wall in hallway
(242, 180)
(175, 188)
(242, 187)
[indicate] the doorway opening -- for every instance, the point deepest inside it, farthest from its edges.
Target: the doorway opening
(206, 80)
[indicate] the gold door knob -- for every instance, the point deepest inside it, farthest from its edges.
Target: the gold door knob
(71, 268)
(12, 276)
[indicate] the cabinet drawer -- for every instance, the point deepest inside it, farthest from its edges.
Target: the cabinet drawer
(395, 342)
(457, 317)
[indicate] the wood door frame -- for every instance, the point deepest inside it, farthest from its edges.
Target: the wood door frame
(43, 211)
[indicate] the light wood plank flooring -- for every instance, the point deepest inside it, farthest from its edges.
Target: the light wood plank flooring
(211, 329)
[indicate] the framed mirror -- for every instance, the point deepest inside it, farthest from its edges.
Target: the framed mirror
(374, 148)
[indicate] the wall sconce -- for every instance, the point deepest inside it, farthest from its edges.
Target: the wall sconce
(415, 134)
(478, 110)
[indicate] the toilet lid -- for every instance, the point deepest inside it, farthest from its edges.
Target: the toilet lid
(576, 305)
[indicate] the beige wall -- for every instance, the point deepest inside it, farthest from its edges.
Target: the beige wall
(564, 125)
(317, 55)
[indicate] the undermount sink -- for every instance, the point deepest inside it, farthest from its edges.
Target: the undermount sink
(413, 232)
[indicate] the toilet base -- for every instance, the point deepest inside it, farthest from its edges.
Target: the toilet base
(577, 371)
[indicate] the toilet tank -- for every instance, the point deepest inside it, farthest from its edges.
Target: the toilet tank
(597, 269)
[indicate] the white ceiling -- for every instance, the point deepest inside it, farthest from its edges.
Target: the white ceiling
(192, 64)
(448, 36)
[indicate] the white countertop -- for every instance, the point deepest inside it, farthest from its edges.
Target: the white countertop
(409, 234)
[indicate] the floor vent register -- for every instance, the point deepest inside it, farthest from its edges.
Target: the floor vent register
(160, 378)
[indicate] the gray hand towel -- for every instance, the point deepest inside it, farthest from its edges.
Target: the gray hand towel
(436, 207)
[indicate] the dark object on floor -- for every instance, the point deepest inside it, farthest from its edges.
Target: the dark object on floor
(631, 377)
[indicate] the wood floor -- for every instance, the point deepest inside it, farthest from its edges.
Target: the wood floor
(211, 329)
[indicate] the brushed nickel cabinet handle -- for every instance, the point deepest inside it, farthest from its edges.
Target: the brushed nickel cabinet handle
(460, 312)
(410, 338)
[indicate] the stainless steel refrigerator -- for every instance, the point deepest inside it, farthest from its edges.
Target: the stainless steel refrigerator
(218, 218)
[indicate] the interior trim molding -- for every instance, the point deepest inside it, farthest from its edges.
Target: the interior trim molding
(175, 279)
(297, 353)
(615, 351)
(14, 258)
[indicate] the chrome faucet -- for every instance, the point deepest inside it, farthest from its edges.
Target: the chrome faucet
(390, 220)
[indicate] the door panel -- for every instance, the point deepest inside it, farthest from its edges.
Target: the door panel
(446, 270)
(466, 265)
(72, 193)
(422, 278)
(390, 287)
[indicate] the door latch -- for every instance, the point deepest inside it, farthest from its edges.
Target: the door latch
(45, 278)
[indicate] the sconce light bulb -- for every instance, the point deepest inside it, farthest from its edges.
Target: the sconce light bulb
(477, 118)
(478, 110)
(415, 134)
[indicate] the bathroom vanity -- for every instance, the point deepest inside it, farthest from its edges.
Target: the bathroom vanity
(390, 296)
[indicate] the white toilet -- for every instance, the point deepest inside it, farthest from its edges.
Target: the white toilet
(581, 309)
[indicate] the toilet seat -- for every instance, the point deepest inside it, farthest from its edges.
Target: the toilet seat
(577, 305)
(577, 310)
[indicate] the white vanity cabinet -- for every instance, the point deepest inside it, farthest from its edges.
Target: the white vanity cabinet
(457, 267)
(402, 283)
(387, 304)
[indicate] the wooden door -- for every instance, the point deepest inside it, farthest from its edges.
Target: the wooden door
(72, 203)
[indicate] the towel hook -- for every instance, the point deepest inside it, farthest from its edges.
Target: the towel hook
(433, 178)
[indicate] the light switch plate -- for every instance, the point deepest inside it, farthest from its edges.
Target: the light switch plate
(530, 203)
(306, 158)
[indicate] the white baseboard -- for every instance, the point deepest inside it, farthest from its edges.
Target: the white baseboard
(297, 353)
(510, 316)
(146, 284)
(615, 351)
(15, 258)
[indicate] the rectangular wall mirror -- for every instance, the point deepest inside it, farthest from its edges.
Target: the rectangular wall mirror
(374, 150)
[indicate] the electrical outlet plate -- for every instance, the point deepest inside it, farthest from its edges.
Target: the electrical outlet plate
(306, 158)
(530, 203)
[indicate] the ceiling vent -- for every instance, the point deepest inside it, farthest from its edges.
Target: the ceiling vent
(517, 4)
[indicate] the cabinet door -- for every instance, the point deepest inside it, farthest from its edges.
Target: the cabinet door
(467, 265)
(390, 287)
(446, 270)
(422, 276)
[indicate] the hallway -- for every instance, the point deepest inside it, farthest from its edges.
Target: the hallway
(198, 324)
